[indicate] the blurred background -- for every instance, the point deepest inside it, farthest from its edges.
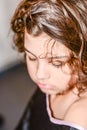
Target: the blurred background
(8, 56)
(16, 87)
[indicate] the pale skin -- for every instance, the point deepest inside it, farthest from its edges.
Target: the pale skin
(53, 79)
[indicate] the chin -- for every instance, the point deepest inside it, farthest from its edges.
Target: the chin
(50, 92)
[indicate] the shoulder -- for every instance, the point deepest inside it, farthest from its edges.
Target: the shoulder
(77, 113)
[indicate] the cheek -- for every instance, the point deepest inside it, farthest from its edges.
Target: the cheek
(64, 76)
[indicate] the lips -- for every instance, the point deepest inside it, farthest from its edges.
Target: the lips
(44, 86)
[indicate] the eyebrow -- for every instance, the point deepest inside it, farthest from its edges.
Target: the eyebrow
(50, 57)
(29, 52)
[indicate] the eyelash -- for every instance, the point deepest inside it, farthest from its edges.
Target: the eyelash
(57, 66)
(31, 59)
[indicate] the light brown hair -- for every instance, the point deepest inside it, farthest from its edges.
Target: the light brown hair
(62, 20)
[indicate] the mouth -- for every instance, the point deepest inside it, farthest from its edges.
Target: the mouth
(44, 86)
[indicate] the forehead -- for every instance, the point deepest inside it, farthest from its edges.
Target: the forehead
(44, 44)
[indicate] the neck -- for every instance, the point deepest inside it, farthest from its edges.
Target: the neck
(60, 104)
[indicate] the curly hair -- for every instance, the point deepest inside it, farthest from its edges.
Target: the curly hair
(62, 20)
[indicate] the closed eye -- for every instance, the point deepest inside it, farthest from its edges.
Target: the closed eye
(30, 55)
(56, 62)
(31, 59)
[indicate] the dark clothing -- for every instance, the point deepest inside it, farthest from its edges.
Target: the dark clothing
(36, 116)
(39, 119)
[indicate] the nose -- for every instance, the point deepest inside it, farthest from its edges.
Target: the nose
(42, 72)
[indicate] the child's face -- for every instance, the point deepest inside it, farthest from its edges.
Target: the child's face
(48, 73)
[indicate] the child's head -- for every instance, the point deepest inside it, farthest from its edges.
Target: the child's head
(62, 21)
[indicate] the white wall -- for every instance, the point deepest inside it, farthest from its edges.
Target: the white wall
(8, 56)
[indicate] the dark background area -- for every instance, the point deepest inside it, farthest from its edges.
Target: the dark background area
(16, 90)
